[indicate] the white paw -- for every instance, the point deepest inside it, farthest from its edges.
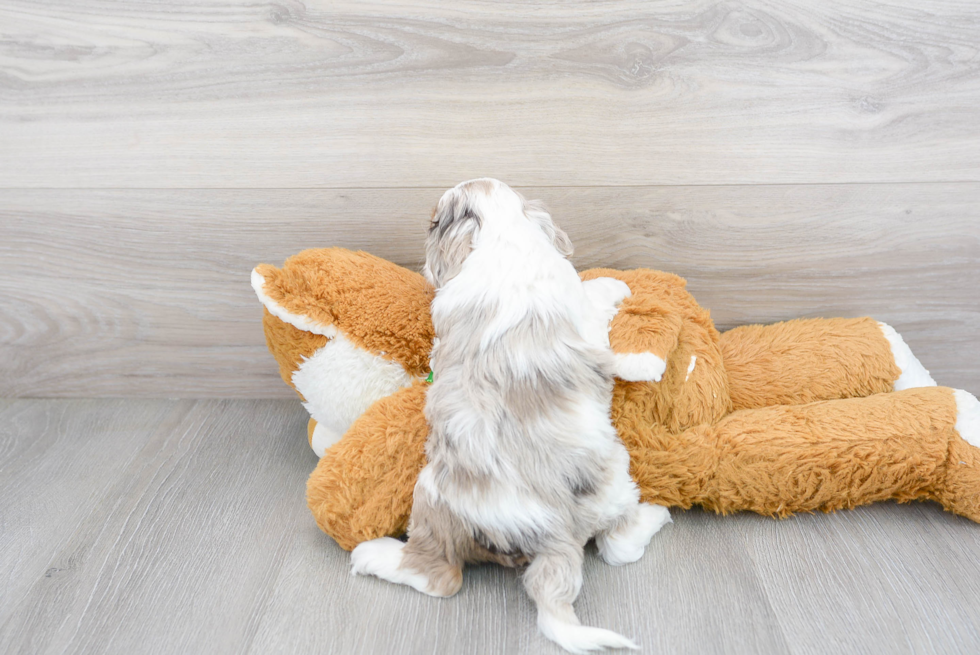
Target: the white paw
(640, 367)
(627, 543)
(604, 294)
(606, 291)
(382, 558)
(323, 438)
(968, 417)
(914, 374)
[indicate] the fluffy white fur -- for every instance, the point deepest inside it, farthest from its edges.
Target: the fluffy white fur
(914, 374)
(639, 367)
(383, 558)
(322, 438)
(339, 382)
(605, 294)
(968, 417)
(627, 543)
(524, 464)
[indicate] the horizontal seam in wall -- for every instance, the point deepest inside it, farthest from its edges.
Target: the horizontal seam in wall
(519, 186)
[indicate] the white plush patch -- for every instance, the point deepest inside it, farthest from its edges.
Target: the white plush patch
(627, 543)
(323, 438)
(690, 367)
(605, 294)
(914, 374)
(640, 367)
(296, 320)
(968, 417)
(340, 381)
(381, 558)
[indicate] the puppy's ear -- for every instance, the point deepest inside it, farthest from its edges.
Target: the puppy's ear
(538, 214)
(452, 232)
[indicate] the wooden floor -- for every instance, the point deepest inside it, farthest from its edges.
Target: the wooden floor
(178, 526)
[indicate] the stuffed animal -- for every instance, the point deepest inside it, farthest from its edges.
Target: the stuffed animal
(805, 415)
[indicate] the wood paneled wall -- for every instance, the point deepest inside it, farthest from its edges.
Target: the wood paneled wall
(789, 158)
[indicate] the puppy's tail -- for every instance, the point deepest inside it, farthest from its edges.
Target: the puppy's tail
(553, 580)
(577, 638)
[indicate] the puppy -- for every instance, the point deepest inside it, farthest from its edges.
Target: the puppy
(524, 464)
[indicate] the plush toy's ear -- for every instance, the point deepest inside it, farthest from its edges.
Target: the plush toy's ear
(282, 295)
(293, 332)
(538, 214)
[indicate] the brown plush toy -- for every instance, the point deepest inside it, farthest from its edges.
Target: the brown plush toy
(805, 415)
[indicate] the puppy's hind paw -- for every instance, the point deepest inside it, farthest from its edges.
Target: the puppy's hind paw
(383, 558)
(380, 557)
(628, 542)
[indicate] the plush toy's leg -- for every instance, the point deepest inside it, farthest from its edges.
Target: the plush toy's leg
(807, 360)
(961, 493)
(912, 444)
(363, 489)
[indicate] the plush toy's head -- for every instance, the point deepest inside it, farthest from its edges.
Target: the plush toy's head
(347, 329)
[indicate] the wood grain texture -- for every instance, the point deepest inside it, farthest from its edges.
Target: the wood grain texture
(176, 552)
(826, 574)
(341, 94)
(158, 526)
(146, 292)
(56, 462)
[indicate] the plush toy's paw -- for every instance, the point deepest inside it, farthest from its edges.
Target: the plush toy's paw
(914, 374)
(960, 491)
(967, 417)
(383, 558)
(322, 437)
(627, 543)
(640, 367)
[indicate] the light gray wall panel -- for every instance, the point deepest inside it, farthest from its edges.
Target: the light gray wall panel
(146, 292)
(323, 94)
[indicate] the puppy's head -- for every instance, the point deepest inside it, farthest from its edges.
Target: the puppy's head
(480, 206)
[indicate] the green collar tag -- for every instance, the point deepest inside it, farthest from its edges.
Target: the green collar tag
(429, 379)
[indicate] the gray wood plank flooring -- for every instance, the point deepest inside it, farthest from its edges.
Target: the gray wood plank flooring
(166, 526)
